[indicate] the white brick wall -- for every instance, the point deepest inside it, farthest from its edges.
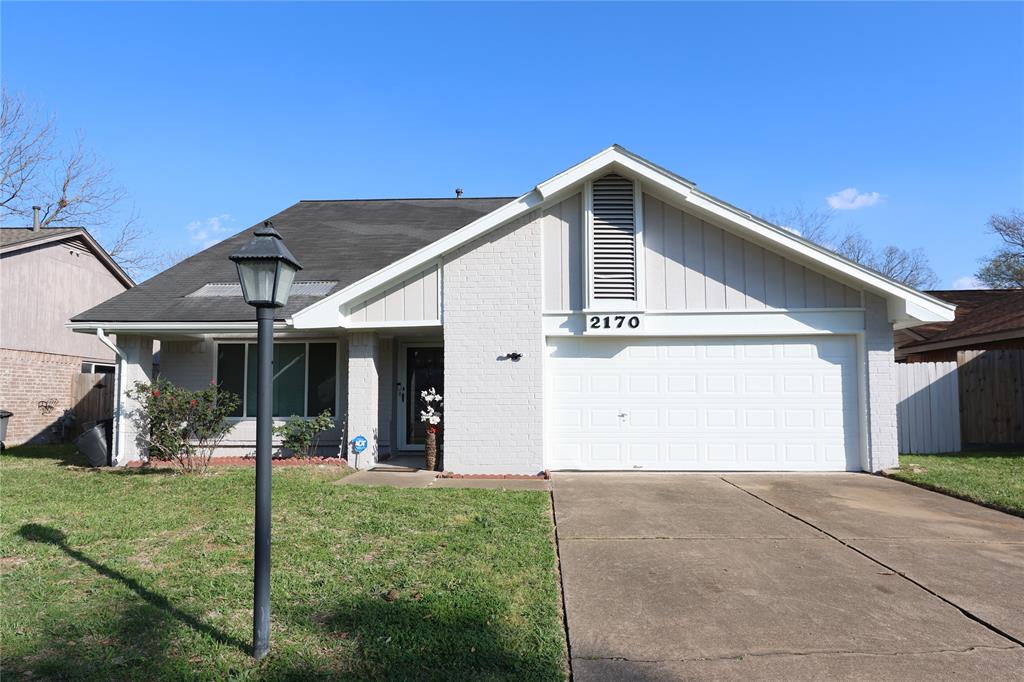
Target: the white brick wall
(386, 395)
(880, 365)
(363, 395)
(188, 363)
(492, 306)
(191, 364)
(138, 366)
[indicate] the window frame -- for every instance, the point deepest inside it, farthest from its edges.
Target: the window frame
(247, 343)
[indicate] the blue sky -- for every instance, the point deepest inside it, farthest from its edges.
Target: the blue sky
(215, 116)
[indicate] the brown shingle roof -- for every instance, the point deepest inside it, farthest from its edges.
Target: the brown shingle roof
(17, 235)
(339, 241)
(978, 312)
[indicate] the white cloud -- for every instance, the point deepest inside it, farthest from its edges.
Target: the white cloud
(968, 282)
(849, 199)
(206, 233)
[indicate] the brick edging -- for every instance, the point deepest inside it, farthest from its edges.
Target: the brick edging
(543, 476)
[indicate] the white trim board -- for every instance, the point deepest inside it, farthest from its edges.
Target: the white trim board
(906, 305)
(711, 323)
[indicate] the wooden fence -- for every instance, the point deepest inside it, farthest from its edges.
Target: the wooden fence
(975, 402)
(928, 411)
(93, 398)
(991, 397)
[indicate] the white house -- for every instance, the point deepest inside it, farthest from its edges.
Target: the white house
(612, 317)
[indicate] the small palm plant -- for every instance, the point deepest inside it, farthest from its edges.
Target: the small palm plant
(431, 416)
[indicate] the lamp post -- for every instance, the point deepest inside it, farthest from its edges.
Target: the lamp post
(266, 269)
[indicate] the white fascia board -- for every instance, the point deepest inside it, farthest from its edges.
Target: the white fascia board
(326, 313)
(600, 162)
(166, 327)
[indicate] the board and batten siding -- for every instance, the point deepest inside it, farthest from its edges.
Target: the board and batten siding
(689, 265)
(562, 229)
(693, 265)
(412, 300)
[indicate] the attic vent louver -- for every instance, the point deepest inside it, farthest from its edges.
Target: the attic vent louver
(614, 253)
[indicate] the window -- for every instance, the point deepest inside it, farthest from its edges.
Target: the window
(305, 377)
(96, 368)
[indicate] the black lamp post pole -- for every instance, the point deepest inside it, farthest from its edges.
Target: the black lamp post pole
(266, 269)
(264, 396)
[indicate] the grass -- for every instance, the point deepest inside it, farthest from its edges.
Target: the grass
(148, 575)
(995, 479)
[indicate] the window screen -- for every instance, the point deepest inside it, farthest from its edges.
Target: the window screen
(231, 371)
(323, 372)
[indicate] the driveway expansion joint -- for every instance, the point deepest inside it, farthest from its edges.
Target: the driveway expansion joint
(962, 610)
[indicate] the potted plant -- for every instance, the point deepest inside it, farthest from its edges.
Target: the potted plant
(431, 416)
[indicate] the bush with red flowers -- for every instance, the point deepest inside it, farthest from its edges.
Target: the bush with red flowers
(182, 426)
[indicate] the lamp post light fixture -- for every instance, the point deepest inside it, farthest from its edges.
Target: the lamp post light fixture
(266, 270)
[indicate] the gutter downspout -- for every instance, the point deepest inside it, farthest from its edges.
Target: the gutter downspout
(122, 367)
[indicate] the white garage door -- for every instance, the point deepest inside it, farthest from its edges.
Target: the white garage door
(772, 404)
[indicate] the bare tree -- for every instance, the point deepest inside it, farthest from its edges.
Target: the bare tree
(72, 186)
(814, 224)
(909, 267)
(1004, 269)
(27, 147)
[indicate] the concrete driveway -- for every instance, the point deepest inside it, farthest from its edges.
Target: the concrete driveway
(795, 577)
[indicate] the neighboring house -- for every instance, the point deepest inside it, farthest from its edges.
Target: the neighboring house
(986, 319)
(613, 317)
(47, 275)
(961, 383)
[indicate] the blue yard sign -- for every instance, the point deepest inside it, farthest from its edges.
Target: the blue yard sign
(359, 444)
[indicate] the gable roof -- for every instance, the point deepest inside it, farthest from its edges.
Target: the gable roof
(981, 314)
(339, 241)
(22, 236)
(15, 239)
(907, 306)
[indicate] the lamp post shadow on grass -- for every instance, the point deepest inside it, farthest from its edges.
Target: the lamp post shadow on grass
(34, 532)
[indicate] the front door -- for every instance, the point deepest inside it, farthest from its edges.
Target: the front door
(422, 368)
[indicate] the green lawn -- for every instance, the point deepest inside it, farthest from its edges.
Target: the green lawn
(992, 478)
(114, 575)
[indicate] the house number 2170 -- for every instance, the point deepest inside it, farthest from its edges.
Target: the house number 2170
(613, 322)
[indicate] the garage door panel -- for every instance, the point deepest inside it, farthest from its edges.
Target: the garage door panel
(712, 404)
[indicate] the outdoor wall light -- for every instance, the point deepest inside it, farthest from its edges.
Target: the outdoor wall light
(514, 357)
(266, 270)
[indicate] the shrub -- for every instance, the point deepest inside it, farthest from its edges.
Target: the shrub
(302, 435)
(182, 426)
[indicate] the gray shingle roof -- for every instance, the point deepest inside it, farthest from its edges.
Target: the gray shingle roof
(16, 235)
(343, 241)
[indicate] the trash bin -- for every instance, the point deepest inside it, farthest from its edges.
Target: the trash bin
(93, 444)
(4, 416)
(108, 426)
